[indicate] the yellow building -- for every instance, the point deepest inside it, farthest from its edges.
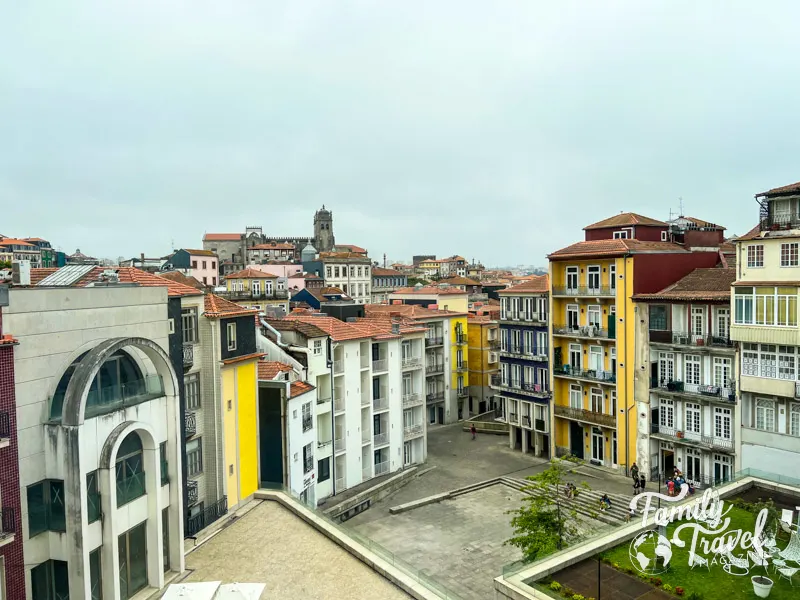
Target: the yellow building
(444, 296)
(235, 330)
(594, 334)
(484, 346)
(257, 289)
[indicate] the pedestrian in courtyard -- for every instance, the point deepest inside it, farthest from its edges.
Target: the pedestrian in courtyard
(670, 487)
(637, 486)
(641, 482)
(473, 431)
(635, 471)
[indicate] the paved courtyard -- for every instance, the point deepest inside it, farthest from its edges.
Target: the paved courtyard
(459, 542)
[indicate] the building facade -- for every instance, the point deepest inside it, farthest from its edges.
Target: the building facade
(384, 282)
(351, 273)
(22, 250)
(200, 264)
(257, 289)
(765, 327)
(523, 387)
(484, 362)
(692, 368)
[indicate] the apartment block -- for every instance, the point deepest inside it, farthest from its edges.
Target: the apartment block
(765, 326)
(594, 328)
(692, 417)
(483, 332)
(522, 388)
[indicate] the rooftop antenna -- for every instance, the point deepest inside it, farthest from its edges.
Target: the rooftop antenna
(680, 203)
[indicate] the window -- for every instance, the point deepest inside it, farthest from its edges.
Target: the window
(231, 330)
(308, 459)
(593, 278)
(722, 372)
(50, 580)
(575, 396)
(204, 265)
(336, 271)
(162, 455)
(575, 357)
(612, 277)
(789, 255)
(194, 457)
(528, 338)
(130, 469)
(194, 264)
(541, 343)
(755, 255)
(765, 305)
(664, 236)
(723, 322)
(213, 264)
(307, 418)
(164, 540)
(787, 363)
(596, 397)
(593, 316)
(767, 361)
(666, 367)
(666, 413)
(765, 414)
(328, 272)
(132, 549)
(692, 369)
(621, 235)
(794, 419)
(658, 317)
(46, 510)
(189, 325)
(692, 418)
(722, 423)
(698, 321)
(92, 497)
(191, 385)
(96, 574)
(317, 347)
(572, 279)
(324, 470)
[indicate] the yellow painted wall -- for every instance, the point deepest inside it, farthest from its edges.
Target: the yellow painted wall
(454, 351)
(480, 369)
(228, 376)
(454, 302)
(626, 420)
(247, 392)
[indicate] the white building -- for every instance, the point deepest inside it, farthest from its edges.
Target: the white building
(99, 440)
(351, 273)
(368, 415)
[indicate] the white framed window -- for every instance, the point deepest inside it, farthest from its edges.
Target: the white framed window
(231, 331)
(768, 361)
(794, 419)
(765, 414)
(666, 367)
(698, 321)
(789, 254)
(191, 384)
(572, 279)
(612, 276)
(189, 325)
(575, 356)
(787, 363)
(722, 423)
(593, 277)
(593, 316)
(194, 457)
(722, 372)
(666, 413)
(622, 234)
(317, 347)
(575, 396)
(528, 338)
(664, 236)
(541, 342)
(693, 418)
(755, 256)
(723, 322)
(596, 397)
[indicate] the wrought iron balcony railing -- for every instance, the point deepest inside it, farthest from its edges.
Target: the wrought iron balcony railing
(684, 338)
(189, 424)
(586, 416)
(188, 355)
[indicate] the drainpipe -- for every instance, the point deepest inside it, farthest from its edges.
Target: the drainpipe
(332, 347)
(627, 351)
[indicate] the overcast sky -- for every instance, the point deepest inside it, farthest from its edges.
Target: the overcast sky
(493, 129)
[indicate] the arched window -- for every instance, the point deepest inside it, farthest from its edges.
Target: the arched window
(119, 382)
(129, 469)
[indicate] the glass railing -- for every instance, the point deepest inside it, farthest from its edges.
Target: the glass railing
(114, 397)
(130, 488)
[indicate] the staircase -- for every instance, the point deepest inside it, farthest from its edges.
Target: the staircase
(586, 503)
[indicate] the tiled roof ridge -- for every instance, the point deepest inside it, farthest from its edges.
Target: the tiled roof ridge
(216, 306)
(250, 273)
(626, 218)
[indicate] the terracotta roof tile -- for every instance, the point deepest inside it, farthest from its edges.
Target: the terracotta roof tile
(184, 279)
(539, 285)
(623, 219)
(430, 290)
(238, 359)
(458, 280)
(338, 330)
(143, 278)
(222, 237)
(299, 387)
(785, 189)
(272, 246)
(38, 274)
(34, 239)
(352, 248)
(219, 307)
(15, 242)
(250, 273)
(709, 285)
(201, 252)
(754, 233)
(307, 329)
(615, 247)
(268, 369)
(381, 272)
(412, 311)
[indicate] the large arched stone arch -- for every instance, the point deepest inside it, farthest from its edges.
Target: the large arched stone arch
(78, 388)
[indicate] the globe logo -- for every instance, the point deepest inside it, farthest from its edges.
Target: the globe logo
(650, 552)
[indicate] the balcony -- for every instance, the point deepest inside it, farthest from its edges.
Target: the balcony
(188, 356)
(323, 443)
(434, 397)
(777, 222)
(684, 338)
(412, 399)
(494, 344)
(433, 341)
(200, 521)
(461, 367)
(523, 317)
(461, 339)
(380, 365)
(585, 291)
(434, 369)
(338, 443)
(463, 393)
(520, 352)
(382, 402)
(5, 429)
(338, 367)
(589, 332)
(520, 387)
(338, 403)
(585, 416)
(412, 362)
(366, 473)
(709, 442)
(705, 392)
(380, 439)
(8, 525)
(192, 492)
(189, 424)
(248, 295)
(365, 397)
(525, 421)
(598, 375)
(382, 468)
(412, 431)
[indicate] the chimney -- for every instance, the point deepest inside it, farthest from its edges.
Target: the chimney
(141, 257)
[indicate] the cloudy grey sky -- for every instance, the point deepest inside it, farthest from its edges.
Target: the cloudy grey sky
(493, 129)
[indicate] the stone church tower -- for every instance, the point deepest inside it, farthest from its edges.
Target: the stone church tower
(323, 230)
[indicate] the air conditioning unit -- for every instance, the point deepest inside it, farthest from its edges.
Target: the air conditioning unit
(492, 357)
(21, 272)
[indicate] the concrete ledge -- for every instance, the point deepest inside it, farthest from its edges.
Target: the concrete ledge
(375, 493)
(405, 581)
(401, 508)
(484, 427)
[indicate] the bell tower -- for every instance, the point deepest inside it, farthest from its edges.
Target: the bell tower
(323, 230)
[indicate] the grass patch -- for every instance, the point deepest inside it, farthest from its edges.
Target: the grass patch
(715, 583)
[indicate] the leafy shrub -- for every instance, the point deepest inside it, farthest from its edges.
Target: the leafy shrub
(667, 587)
(694, 596)
(679, 591)
(616, 566)
(555, 586)
(578, 597)
(656, 581)
(568, 591)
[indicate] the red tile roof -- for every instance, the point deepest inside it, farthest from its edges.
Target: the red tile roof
(201, 252)
(299, 387)
(219, 307)
(352, 248)
(624, 219)
(785, 189)
(184, 279)
(412, 311)
(597, 248)
(458, 280)
(338, 330)
(34, 240)
(38, 274)
(222, 237)
(250, 273)
(701, 223)
(307, 329)
(701, 285)
(238, 359)
(269, 369)
(381, 272)
(125, 275)
(15, 242)
(430, 290)
(753, 234)
(539, 285)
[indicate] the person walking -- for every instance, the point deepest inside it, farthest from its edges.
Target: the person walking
(635, 471)
(641, 482)
(637, 486)
(472, 430)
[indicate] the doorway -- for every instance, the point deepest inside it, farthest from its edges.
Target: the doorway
(667, 462)
(440, 412)
(575, 439)
(597, 444)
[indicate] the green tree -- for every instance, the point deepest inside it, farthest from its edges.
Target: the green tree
(412, 281)
(546, 522)
(5, 264)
